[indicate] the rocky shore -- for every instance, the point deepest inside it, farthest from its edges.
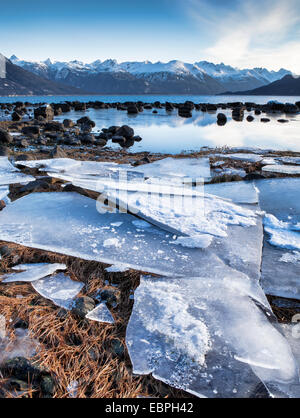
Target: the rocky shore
(66, 355)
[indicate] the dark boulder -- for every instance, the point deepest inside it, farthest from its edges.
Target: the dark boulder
(31, 130)
(250, 118)
(125, 131)
(45, 112)
(5, 137)
(16, 117)
(83, 306)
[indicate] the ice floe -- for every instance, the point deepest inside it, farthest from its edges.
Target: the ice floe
(69, 223)
(32, 272)
(250, 158)
(237, 191)
(192, 168)
(280, 269)
(101, 314)
(4, 191)
(207, 336)
(59, 288)
(282, 169)
(11, 175)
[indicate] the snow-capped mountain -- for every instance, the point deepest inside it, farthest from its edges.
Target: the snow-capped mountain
(146, 77)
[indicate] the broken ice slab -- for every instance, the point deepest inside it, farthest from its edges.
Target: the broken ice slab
(101, 314)
(4, 191)
(69, 223)
(127, 181)
(192, 168)
(229, 171)
(207, 336)
(237, 191)
(10, 174)
(74, 167)
(59, 288)
(282, 169)
(279, 198)
(289, 160)
(32, 272)
(250, 158)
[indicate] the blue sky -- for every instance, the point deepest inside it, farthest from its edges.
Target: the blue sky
(242, 33)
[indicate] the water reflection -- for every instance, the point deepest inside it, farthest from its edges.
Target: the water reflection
(165, 132)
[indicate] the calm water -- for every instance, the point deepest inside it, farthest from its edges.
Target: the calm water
(167, 133)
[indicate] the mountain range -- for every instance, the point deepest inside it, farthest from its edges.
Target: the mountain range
(21, 82)
(174, 77)
(289, 85)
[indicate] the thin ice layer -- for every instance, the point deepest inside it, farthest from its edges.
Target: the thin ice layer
(59, 288)
(186, 215)
(101, 314)
(10, 174)
(282, 169)
(280, 269)
(193, 168)
(238, 191)
(69, 223)
(32, 272)
(207, 336)
(250, 158)
(4, 191)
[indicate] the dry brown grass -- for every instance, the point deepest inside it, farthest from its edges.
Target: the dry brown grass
(73, 349)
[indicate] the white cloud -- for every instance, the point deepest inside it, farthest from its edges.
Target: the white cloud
(260, 34)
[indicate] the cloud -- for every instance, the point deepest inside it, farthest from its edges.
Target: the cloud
(248, 34)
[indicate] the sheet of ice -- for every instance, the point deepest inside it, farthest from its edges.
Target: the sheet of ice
(237, 191)
(289, 160)
(10, 174)
(280, 269)
(185, 215)
(101, 314)
(282, 169)
(250, 158)
(4, 191)
(69, 223)
(193, 168)
(32, 272)
(207, 336)
(74, 167)
(59, 288)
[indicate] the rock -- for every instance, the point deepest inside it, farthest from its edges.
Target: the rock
(68, 123)
(4, 151)
(58, 152)
(117, 139)
(265, 120)
(144, 160)
(110, 296)
(221, 119)
(238, 114)
(2, 204)
(79, 106)
(155, 111)
(257, 112)
(5, 137)
(86, 121)
(83, 305)
(137, 138)
(117, 348)
(22, 157)
(31, 130)
(87, 138)
(250, 118)
(22, 369)
(23, 143)
(282, 121)
(125, 131)
(290, 108)
(16, 117)
(45, 112)
(132, 110)
(5, 251)
(47, 385)
(54, 127)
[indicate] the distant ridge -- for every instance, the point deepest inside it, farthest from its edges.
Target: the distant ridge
(22, 82)
(287, 86)
(174, 77)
